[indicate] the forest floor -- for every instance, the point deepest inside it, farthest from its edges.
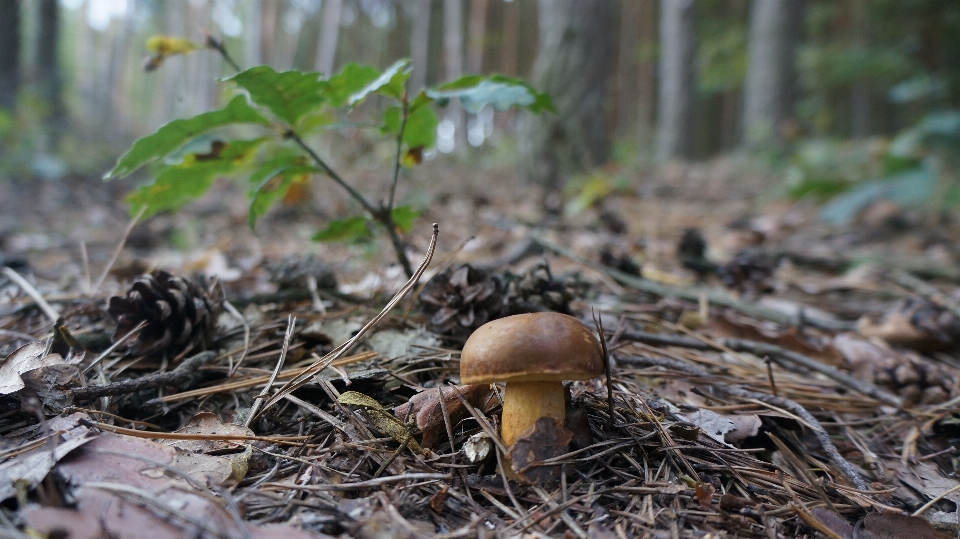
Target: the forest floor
(770, 375)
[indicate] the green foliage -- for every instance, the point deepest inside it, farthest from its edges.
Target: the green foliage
(288, 95)
(178, 184)
(175, 134)
(501, 93)
(302, 103)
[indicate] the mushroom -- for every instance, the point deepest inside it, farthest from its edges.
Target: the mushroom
(533, 354)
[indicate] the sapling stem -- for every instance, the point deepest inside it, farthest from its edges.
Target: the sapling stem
(384, 215)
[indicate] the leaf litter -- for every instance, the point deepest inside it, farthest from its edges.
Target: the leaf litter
(805, 399)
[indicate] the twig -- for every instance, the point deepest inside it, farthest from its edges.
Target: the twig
(848, 470)
(246, 335)
(28, 288)
(777, 353)
(926, 290)
(396, 168)
(290, 440)
(714, 296)
(114, 346)
(370, 483)
(383, 216)
(605, 353)
(258, 400)
(326, 360)
(823, 437)
(936, 499)
(773, 384)
(177, 376)
(118, 249)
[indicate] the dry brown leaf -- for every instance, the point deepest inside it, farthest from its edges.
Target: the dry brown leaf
(425, 407)
(546, 439)
(24, 359)
(899, 526)
(208, 423)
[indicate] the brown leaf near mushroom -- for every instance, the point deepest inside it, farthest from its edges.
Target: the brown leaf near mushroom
(546, 439)
(425, 407)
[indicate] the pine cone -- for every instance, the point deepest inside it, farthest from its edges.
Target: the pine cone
(179, 313)
(750, 272)
(537, 290)
(461, 299)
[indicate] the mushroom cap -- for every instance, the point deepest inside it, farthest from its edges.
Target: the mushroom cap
(531, 348)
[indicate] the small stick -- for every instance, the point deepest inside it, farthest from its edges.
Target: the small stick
(116, 252)
(598, 322)
(114, 346)
(28, 288)
(246, 335)
(930, 504)
(258, 400)
(177, 376)
(773, 385)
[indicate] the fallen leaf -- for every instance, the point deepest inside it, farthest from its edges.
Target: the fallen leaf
(477, 447)
(900, 526)
(208, 423)
(24, 359)
(425, 407)
(703, 492)
(834, 522)
(31, 467)
(546, 439)
(439, 498)
(711, 423)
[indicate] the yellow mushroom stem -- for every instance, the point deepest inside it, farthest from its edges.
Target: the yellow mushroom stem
(526, 402)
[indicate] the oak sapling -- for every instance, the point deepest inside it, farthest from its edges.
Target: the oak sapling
(280, 112)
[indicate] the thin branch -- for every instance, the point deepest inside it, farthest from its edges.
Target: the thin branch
(119, 248)
(396, 166)
(28, 288)
(177, 376)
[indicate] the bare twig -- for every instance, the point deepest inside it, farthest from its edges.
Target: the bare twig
(118, 249)
(177, 376)
(258, 400)
(28, 288)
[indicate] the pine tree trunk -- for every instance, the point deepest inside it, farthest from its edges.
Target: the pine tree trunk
(768, 100)
(574, 65)
(9, 53)
(48, 62)
(420, 45)
(678, 49)
(476, 40)
(329, 32)
(453, 63)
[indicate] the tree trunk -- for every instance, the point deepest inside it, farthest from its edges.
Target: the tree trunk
(327, 48)
(420, 45)
(647, 74)
(677, 79)
(9, 53)
(574, 65)
(48, 62)
(453, 64)
(477, 36)
(627, 67)
(769, 90)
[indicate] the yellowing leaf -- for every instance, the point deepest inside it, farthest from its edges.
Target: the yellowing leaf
(167, 45)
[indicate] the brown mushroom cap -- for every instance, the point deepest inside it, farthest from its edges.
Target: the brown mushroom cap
(529, 348)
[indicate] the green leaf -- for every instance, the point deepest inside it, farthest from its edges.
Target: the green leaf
(390, 83)
(421, 128)
(391, 121)
(912, 188)
(351, 79)
(349, 229)
(176, 133)
(500, 92)
(273, 178)
(176, 185)
(289, 95)
(403, 217)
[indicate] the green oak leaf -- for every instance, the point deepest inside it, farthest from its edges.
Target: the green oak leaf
(390, 83)
(500, 92)
(403, 217)
(177, 185)
(346, 230)
(272, 180)
(175, 134)
(289, 95)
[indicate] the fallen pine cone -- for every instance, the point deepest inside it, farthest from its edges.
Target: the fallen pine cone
(461, 299)
(178, 314)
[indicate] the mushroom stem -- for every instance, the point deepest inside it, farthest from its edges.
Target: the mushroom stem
(526, 402)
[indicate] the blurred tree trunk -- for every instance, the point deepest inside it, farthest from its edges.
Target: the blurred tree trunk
(574, 65)
(476, 40)
(453, 63)
(509, 39)
(48, 63)
(627, 67)
(647, 73)
(678, 48)
(252, 27)
(769, 91)
(9, 53)
(860, 95)
(420, 45)
(327, 47)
